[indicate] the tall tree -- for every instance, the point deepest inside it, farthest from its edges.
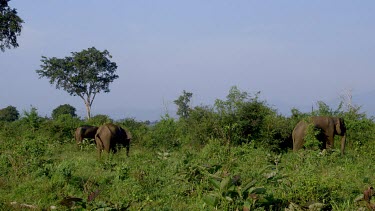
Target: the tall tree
(183, 104)
(10, 26)
(83, 74)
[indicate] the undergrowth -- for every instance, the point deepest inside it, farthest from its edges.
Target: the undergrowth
(233, 156)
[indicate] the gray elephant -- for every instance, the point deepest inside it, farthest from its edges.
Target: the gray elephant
(85, 131)
(329, 126)
(109, 136)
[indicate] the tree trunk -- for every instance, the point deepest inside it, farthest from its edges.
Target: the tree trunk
(88, 104)
(88, 110)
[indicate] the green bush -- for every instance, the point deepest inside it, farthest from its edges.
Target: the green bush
(65, 109)
(62, 129)
(32, 119)
(241, 117)
(99, 119)
(360, 128)
(311, 138)
(140, 131)
(9, 114)
(164, 134)
(276, 133)
(201, 126)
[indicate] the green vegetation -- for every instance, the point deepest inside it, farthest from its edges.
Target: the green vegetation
(183, 104)
(10, 26)
(233, 155)
(65, 109)
(9, 114)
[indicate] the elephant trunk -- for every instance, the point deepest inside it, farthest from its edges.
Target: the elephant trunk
(343, 140)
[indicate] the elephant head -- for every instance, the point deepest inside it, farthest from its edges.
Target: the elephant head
(329, 126)
(85, 131)
(109, 136)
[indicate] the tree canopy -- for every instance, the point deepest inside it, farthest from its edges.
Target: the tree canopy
(64, 109)
(183, 104)
(10, 26)
(83, 74)
(9, 114)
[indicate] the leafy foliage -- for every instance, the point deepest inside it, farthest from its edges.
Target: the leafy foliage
(311, 138)
(164, 134)
(9, 114)
(99, 119)
(32, 118)
(61, 129)
(64, 109)
(201, 126)
(243, 118)
(10, 26)
(83, 74)
(140, 131)
(183, 104)
(233, 192)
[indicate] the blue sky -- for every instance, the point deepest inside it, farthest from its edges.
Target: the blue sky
(294, 52)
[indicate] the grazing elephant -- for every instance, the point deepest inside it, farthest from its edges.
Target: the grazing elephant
(85, 131)
(109, 136)
(329, 126)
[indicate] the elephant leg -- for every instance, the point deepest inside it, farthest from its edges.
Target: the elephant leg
(343, 140)
(298, 135)
(298, 143)
(329, 141)
(127, 150)
(99, 153)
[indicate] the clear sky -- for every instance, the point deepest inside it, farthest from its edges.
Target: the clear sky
(294, 52)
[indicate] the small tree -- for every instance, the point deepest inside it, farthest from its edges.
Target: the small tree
(10, 26)
(241, 116)
(183, 104)
(64, 109)
(32, 118)
(83, 74)
(9, 114)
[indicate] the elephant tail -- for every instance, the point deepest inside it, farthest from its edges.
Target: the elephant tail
(99, 142)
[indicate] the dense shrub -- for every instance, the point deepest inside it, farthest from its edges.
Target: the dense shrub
(201, 126)
(99, 120)
(9, 114)
(360, 128)
(62, 129)
(140, 131)
(276, 133)
(241, 116)
(32, 119)
(164, 134)
(65, 109)
(237, 120)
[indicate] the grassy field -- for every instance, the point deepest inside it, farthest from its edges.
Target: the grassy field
(234, 155)
(43, 174)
